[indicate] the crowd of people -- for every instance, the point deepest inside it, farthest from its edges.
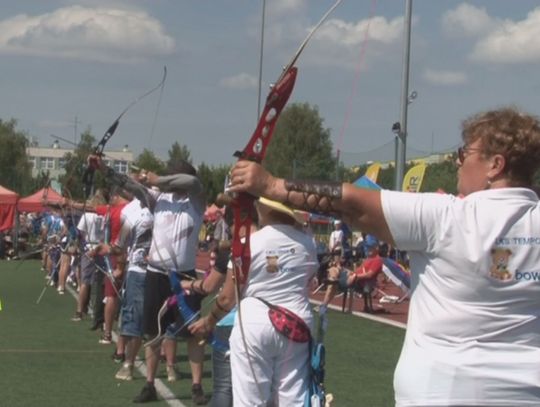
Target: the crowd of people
(473, 333)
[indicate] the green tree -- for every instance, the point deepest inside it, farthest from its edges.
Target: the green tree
(15, 169)
(441, 176)
(147, 160)
(177, 153)
(76, 164)
(213, 179)
(301, 146)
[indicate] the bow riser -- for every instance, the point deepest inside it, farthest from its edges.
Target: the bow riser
(255, 150)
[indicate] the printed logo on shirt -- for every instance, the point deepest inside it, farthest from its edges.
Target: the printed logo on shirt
(527, 276)
(272, 256)
(500, 256)
(272, 264)
(499, 268)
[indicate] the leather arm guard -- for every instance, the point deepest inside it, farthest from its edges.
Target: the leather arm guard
(318, 196)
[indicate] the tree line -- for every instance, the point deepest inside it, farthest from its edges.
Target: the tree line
(301, 148)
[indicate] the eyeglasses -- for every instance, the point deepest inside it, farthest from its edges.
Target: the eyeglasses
(464, 151)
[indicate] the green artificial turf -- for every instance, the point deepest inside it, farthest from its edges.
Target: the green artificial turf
(48, 360)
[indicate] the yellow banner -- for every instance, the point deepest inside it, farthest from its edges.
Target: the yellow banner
(372, 172)
(412, 182)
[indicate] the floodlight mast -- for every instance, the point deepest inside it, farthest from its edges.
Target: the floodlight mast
(401, 138)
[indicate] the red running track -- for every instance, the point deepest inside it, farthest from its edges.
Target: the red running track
(393, 311)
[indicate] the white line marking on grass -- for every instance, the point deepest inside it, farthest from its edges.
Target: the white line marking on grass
(165, 393)
(366, 316)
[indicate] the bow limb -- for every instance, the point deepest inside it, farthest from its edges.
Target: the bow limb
(88, 176)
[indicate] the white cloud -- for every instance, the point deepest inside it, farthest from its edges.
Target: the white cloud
(339, 43)
(499, 41)
(342, 33)
(102, 34)
(276, 8)
(512, 42)
(240, 81)
(447, 78)
(467, 20)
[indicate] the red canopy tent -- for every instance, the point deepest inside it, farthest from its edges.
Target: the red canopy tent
(8, 203)
(32, 203)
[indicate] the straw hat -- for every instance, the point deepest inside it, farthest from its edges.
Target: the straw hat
(279, 207)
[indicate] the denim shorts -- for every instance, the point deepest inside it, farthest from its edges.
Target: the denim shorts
(131, 319)
(89, 268)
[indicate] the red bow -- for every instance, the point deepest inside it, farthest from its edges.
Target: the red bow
(255, 150)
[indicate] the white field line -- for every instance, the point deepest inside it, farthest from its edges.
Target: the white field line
(166, 394)
(366, 316)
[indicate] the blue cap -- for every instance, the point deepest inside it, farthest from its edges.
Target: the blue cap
(371, 241)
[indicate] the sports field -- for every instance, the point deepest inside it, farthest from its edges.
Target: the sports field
(48, 360)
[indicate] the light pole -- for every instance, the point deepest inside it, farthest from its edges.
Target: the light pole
(400, 135)
(401, 139)
(261, 53)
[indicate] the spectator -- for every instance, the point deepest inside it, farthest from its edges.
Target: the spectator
(221, 229)
(335, 243)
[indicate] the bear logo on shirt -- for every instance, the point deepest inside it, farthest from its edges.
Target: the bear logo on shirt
(499, 268)
(272, 264)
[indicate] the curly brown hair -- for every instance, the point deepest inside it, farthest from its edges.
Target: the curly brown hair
(513, 134)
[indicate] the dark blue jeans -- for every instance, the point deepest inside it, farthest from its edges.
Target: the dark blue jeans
(221, 370)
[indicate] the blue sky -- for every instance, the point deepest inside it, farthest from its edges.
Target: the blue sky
(89, 59)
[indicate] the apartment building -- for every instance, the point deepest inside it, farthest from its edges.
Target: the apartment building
(52, 159)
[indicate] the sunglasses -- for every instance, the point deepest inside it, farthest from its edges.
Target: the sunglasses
(464, 151)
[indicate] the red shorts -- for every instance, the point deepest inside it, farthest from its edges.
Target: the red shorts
(110, 290)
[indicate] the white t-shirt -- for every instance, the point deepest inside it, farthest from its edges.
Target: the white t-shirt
(136, 234)
(92, 227)
(177, 222)
(336, 240)
(473, 335)
(283, 260)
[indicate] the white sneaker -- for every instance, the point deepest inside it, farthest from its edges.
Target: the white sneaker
(172, 373)
(125, 372)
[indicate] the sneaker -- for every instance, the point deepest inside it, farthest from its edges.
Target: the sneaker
(172, 373)
(77, 317)
(97, 325)
(61, 291)
(197, 395)
(118, 357)
(148, 393)
(106, 339)
(125, 372)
